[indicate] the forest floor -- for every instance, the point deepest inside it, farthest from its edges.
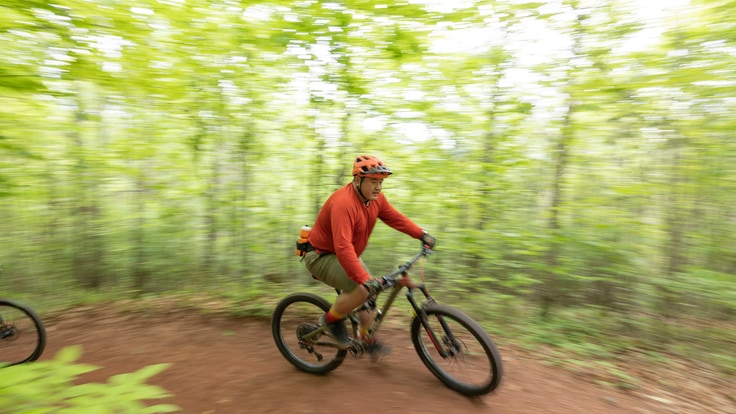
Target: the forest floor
(230, 365)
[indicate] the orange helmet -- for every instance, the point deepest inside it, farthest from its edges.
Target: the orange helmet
(370, 166)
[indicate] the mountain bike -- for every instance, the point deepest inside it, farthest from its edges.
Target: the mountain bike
(450, 343)
(22, 334)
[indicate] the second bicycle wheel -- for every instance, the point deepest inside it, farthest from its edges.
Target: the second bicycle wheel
(295, 317)
(22, 335)
(471, 364)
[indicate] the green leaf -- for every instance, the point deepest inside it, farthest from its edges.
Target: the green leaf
(161, 408)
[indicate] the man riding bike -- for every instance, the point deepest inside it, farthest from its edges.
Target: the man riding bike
(340, 235)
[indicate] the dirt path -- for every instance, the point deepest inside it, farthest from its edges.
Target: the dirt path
(222, 365)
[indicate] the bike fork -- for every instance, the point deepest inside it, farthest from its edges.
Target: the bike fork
(424, 320)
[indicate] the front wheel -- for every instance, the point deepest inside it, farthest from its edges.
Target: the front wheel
(22, 334)
(457, 350)
(293, 324)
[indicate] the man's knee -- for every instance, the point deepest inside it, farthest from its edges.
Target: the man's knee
(358, 293)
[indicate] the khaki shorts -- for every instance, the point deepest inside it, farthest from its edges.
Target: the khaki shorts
(327, 269)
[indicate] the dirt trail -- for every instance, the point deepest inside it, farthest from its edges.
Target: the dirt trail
(222, 365)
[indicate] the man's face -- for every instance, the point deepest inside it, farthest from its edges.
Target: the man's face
(372, 187)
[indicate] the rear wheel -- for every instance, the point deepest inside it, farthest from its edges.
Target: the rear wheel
(22, 334)
(295, 318)
(471, 364)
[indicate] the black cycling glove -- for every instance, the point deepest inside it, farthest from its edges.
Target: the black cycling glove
(428, 240)
(373, 286)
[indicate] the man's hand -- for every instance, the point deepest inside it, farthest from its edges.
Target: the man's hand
(373, 286)
(428, 240)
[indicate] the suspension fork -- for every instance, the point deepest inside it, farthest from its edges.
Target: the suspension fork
(424, 320)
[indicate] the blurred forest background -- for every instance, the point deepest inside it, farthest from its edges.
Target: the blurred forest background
(575, 159)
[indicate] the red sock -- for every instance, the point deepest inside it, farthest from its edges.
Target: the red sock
(333, 316)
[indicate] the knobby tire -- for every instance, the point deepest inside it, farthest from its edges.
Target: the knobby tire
(478, 356)
(284, 325)
(22, 334)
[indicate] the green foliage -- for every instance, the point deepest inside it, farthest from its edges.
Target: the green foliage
(565, 159)
(48, 387)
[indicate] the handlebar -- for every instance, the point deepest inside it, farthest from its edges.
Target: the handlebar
(390, 279)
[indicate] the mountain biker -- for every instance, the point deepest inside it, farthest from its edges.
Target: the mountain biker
(338, 238)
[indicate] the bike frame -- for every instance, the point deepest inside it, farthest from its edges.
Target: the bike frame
(418, 311)
(391, 281)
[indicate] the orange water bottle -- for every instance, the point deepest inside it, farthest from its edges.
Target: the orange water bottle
(303, 239)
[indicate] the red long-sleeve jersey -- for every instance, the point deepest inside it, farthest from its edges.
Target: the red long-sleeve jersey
(345, 223)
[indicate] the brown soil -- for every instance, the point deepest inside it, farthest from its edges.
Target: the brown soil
(226, 365)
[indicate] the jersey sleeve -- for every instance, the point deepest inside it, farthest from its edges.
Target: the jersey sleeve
(393, 218)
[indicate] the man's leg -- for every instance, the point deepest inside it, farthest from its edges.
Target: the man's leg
(366, 318)
(347, 301)
(327, 269)
(376, 349)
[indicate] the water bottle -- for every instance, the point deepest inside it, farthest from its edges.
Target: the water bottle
(303, 239)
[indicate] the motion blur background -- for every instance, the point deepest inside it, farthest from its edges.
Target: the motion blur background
(575, 159)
